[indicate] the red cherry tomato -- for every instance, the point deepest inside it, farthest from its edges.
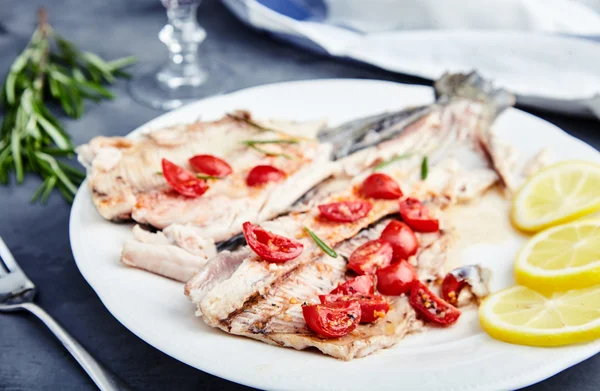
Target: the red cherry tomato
(381, 186)
(471, 276)
(345, 212)
(370, 256)
(360, 284)
(418, 216)
(260, 175)
(271, 247)
(183, 181)
(210, 165)
(430, 306)
(402, 238)
(395, 279)
(332, 320)
(372, 307)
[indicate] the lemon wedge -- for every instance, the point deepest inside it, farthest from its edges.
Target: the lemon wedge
(561, 258)
(522, 316)
(560, 193)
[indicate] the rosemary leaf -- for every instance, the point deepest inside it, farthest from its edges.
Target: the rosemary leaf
(121, 63)
(59, 139)
(424, 168)
(39, 191)
(65, 193)
(15, 146)
(269, 153)
(390, 161)
(252, 144)
(59, 152)
(57, 171)
(72, 171)
(50, 183)
(202, 176)
(328, 250)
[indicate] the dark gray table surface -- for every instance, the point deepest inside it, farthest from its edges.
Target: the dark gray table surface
(30, 357)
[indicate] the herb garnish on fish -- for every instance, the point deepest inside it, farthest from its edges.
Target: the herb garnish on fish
(424, 168)
(390, 161)
(202, 176)
(252, 144)
(328, 250)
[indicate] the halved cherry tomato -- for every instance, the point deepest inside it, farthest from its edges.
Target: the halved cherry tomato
(332, 320)
(210, 165)
(402, 238)
(372, 307)
(360, 284)
(418, 216)
(451, 288)
(430, 306)
(472, 276)
(183, 181)
(260, 175)
(381, 186)
(345, 212)
(396, 279)
(271, 247)
(370, 256)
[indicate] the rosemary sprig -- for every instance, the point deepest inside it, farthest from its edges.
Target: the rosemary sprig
(328, 250)
(252, 144)
(49, 71)
(390, 161)
(424, 168)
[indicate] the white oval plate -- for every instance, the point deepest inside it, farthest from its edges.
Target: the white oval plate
(462, 357)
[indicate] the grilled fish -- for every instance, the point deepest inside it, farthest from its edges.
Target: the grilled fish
(276, 317)
(241, 294)
(125, 180)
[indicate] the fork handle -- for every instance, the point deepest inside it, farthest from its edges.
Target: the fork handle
(104, 379)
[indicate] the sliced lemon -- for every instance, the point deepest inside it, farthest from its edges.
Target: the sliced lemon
(561, 258)
(522, 316)
(560, 193)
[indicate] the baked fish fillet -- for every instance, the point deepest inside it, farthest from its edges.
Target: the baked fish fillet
(125, 181)
(276, 317)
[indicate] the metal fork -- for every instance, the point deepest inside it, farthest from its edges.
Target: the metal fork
(17, 292)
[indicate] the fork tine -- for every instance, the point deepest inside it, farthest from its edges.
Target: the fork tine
(7, 258)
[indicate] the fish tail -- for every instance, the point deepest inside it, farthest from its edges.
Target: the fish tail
(473, 87)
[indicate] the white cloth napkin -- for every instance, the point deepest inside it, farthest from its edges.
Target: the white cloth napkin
(536, 48)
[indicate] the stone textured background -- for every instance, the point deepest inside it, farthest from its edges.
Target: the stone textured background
(30, 357)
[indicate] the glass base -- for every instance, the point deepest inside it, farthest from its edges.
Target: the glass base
(145, 87)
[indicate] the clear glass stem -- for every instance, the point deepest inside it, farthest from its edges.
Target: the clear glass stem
(182, 35)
